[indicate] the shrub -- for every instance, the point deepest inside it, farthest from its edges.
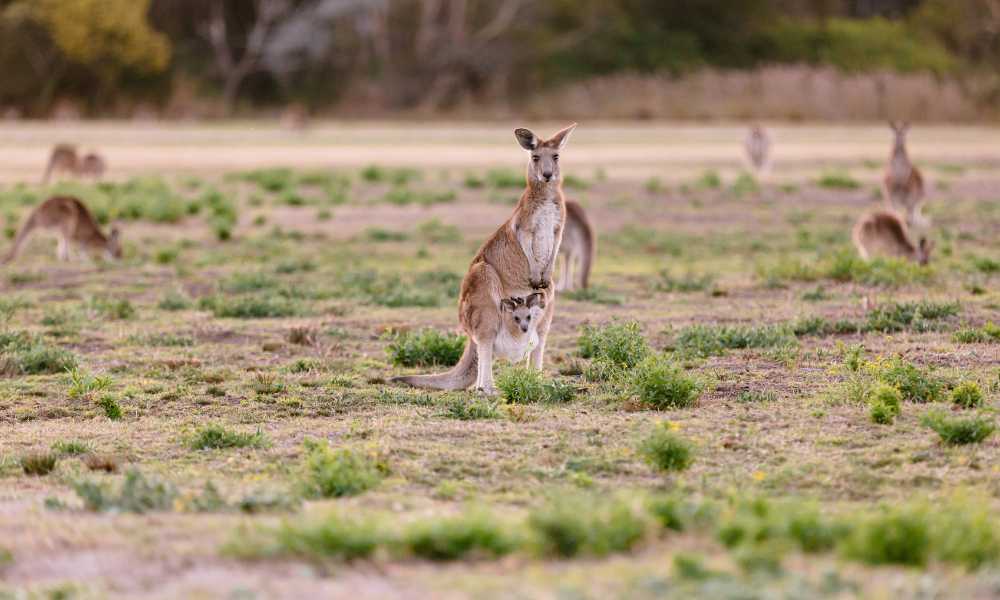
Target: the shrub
(660, 384)
(884, 404)
(218, 437)
(174, 301)
(956, 431)
(137, 494)
(836, 180)
(109, 308)
(570, 527)
(425, 348)
(252, 307)
(897, 536)
(329, 473)
(39, 463)
(965, 534)
(71, 447)
(112, 410)
(453, 538)
(83, 383)
(894, 316)
(621, 344)
(666, 451)
(913, 383)
(522, 385)
(987, 334)
(470, 410)
(22, 354)
(967, 395)
(709, 340)
(333, 537)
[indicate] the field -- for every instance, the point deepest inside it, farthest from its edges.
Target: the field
(737, 408)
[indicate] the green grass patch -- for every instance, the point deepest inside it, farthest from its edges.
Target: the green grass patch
(425, 348)
(666, 451)
(217, 437)
(958, 431)
(334, 473)
(838, 180)
(713, 340)
(659, 383)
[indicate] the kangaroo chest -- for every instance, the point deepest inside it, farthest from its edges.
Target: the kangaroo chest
(514, 349)
(541, 231)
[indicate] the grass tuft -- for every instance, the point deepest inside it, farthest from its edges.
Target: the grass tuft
(329, 473)
(958, 431)
(218, 437)
(666, 451)
(425, 348)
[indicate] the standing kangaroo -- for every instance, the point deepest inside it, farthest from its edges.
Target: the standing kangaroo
(515, 262)
(903, 185)
(74, 225)
(63, 158)
(758, 148)
(883, 233)
(578, 248)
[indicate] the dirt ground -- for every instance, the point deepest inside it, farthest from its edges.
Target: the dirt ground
(669, 203)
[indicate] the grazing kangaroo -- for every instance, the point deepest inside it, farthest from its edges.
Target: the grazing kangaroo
(74, 225)
(515, 262)
(903, 185)
(92, 165)
(63, 158)
(758, 148)
(883, 233)
(577, 249)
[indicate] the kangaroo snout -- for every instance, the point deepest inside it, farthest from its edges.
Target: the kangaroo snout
(547, 175)
(524, 328)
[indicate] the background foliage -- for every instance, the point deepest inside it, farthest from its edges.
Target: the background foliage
(109, 56)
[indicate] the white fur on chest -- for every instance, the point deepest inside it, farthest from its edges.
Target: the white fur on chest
(514, 349)
(543, 232)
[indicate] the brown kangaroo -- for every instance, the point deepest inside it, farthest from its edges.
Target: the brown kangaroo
(758, 148)
(883, 233)
(903, 185)
(578, 248)
(63, 158)
(92, 165)
(515, 262)
(74, 225)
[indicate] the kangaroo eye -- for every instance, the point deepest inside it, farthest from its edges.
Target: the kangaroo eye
(555, 157)
(527, 318)
(517, 319)
(535, 158)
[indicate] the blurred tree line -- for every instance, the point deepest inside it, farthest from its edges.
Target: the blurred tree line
(109, 55)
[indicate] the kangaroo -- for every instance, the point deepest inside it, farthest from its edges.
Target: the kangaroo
(92, 165)
(515, 339)
(577, 249)
(883, 233)
(516, 261)
(74, 225)
(903, 185)
(63, 158)
(758, 148)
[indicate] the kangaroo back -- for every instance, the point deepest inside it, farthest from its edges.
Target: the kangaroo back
(583, 233)
(884, 233)
(459, 377)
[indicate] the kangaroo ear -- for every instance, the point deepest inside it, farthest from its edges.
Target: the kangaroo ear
(536, 299)
(559, 140)
(528, 140)
(508, 304)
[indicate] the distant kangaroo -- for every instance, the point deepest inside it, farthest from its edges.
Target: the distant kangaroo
(73, 223)
(883, 233)
(578, 248)
(758, 148)
(515, 262)
(63, 158)
(903, 185)
(92, 165)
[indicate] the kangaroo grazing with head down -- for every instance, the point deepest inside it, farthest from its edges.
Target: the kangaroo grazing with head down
(74, 225)
(92, 165)
(883, 233)
(515, 262)
(758, 148)
(578, 248)
(903, 185)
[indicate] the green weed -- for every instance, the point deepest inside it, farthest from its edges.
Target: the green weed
(666, 451)
(425, 348)
(660, 384)
(218, 437)
(328, 473)
(957, 431)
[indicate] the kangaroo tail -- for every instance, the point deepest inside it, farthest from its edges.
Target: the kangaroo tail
(22, 234)
(459, 377)
(589, 251)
